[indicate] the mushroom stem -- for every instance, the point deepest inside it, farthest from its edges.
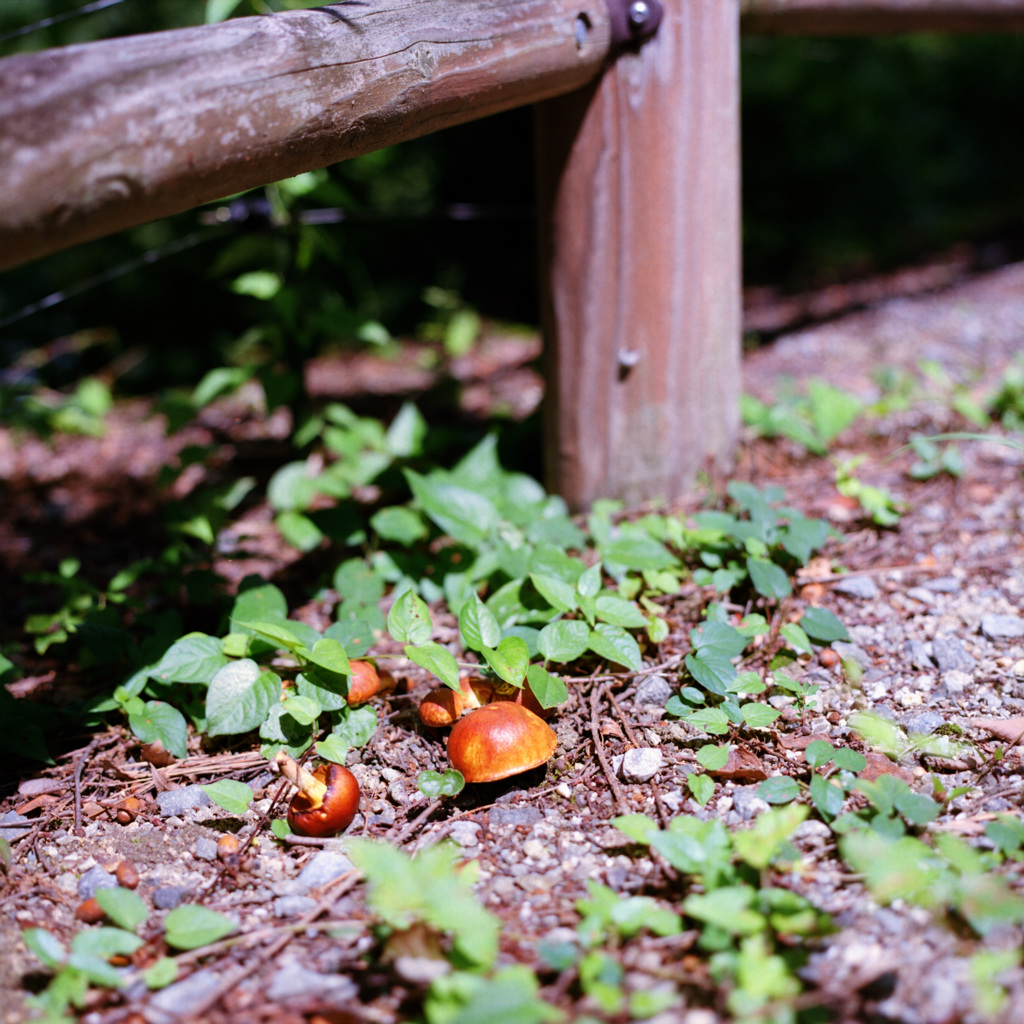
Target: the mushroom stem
(310, 787)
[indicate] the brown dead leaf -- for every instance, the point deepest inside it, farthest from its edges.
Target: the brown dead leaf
(1009, 729)
(879, 764)
(40, 801)
(743, 766)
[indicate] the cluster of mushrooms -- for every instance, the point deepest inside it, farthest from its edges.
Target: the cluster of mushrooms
(494, 734)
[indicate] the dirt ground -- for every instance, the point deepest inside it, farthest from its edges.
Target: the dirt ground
(931, 618)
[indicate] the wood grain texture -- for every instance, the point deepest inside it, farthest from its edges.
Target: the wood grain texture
(879, 17)
(105, 135)
(640, 254)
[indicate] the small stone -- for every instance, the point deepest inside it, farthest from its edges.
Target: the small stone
(1002, 627)
(465, 833)
(167, 897)
(514, 816)
(950, 655)
(924, 723)
(326, 866)
(13, 826)
(954, 683)
(846, 651)
(863, 587)
(182, 998)
(206, 848)
(182, 801)
(654, 691)
(93, 879)
(293, 981)
(641, 764)
(747, 804)
(918, 655)
(293, 906)
(921, 595)
(943, 585)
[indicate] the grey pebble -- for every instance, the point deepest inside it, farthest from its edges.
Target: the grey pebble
(294, 981)
(465, 833)
(922, 595)
(847, 651)
(943, 585)
(206, 848)
(654, 691)
(923, 722)
(182, 998)
(746, 803)
(955, 682)
(326, 866)
(863, 587)
(949, 655)
(1002, 627)
(293, 906)
(13, 826)
(514, 816)
(167, 897)
(93, 879)
(918, 654)
(641, 764)
(182, 801)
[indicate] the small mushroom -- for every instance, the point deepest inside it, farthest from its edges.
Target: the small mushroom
(499, 740)
(444, 706)
(366, 682)
(327, 799)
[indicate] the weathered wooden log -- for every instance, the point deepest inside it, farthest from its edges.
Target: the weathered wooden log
(879, 17)
(102, 136)
(640, 257)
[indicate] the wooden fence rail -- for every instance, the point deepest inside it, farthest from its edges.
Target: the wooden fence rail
(638, 169)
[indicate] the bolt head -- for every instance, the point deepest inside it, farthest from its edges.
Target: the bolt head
(639, 12)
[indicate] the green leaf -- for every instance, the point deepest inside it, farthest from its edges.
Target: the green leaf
(46, 946)
(405, 435)
(105, 942)
(638, 827)
(509, 660)
(232, 795)
(240, 698)
(797, 638)
(779, 789)
(304, 710)
(711, 756)
(818, 752)
(437, 784)
(333, 748)
(258, 601)
(409, 620)
(96, 970)
(466, 516)
(711, 720)
(619, 612)
(479, 628)
(589, 582)
(163, 973)
(299, 530)
(638, 551)
(557, 592)
(563, 641)
(759, 716)
(124, 907)
(437, 659)
(157, 721)
(828, 797)
(190, 927)
(399, 524)
(849, 760)
(195, 658)
(615, 644)
(356, 726)
(549, 689)
(769, 580)
(702, 787)
(822, 625)
(289, 636)
(759, 845)
(329, 655)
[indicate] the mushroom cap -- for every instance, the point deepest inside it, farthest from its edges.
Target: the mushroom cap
(333, 813)
(366, 682)
(499, 740)
(444, 706)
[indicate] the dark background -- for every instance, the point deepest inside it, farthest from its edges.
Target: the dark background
(859, 155)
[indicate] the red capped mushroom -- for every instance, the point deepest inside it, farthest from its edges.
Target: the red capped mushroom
(444, 706)
(499, 740)
(327, 799)
(366, 682)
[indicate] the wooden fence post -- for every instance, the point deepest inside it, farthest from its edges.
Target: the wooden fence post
(640, 262)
